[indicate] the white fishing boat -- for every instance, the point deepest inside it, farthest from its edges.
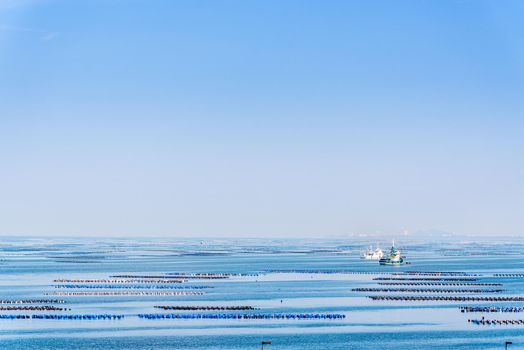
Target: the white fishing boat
(372, 254)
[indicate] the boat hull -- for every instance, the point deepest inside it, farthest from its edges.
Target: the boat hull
(391, 262)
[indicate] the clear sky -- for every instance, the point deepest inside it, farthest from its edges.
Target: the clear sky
(261, 118)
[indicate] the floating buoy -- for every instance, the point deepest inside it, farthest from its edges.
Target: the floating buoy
(124, 293)
(442, 298)
(426, 290)
(205, 308)
(277, 316)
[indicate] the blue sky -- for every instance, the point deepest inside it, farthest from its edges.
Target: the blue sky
(261, 118)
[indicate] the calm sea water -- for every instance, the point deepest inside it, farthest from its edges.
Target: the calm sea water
(312, 277)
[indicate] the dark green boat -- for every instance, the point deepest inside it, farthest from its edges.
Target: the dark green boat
(393, 258)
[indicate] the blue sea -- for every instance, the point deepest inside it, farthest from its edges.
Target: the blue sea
(130, 277)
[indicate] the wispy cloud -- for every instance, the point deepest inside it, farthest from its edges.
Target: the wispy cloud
(49, 36)
(44, 35)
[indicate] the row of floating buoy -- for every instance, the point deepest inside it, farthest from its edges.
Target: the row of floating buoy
(115, 281)
(124, 293)
(32, 301)
(443, 284)
(280, 316)
(437, 274)
(33, 308)
(345, 272)
(407, 273)
(213, 274)
(125, 286)
(78, 317)
(14, 317)
(442, 298)
(508, 275)
(62, 317)
(429, 279)
(426, 290)
(172, 276)
(491, 309)
(206, 308)
(485, 322)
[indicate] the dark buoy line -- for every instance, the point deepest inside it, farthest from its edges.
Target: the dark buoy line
(117, 281)
(328, 272)
(276, 316)
(442, 298)
(32, 301)
(135, 293)
(212, 274)
(426, 290)
(351, 272)
(265, 316)
(33, 308)
(78, 317)
(62, 317)
(490, 309)
(15, 317)
(428, 279)
(126, 286)
(436, 273)
(443, 284)
(508, 275)
(206, 308)
(484, 322)
(209, 277)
